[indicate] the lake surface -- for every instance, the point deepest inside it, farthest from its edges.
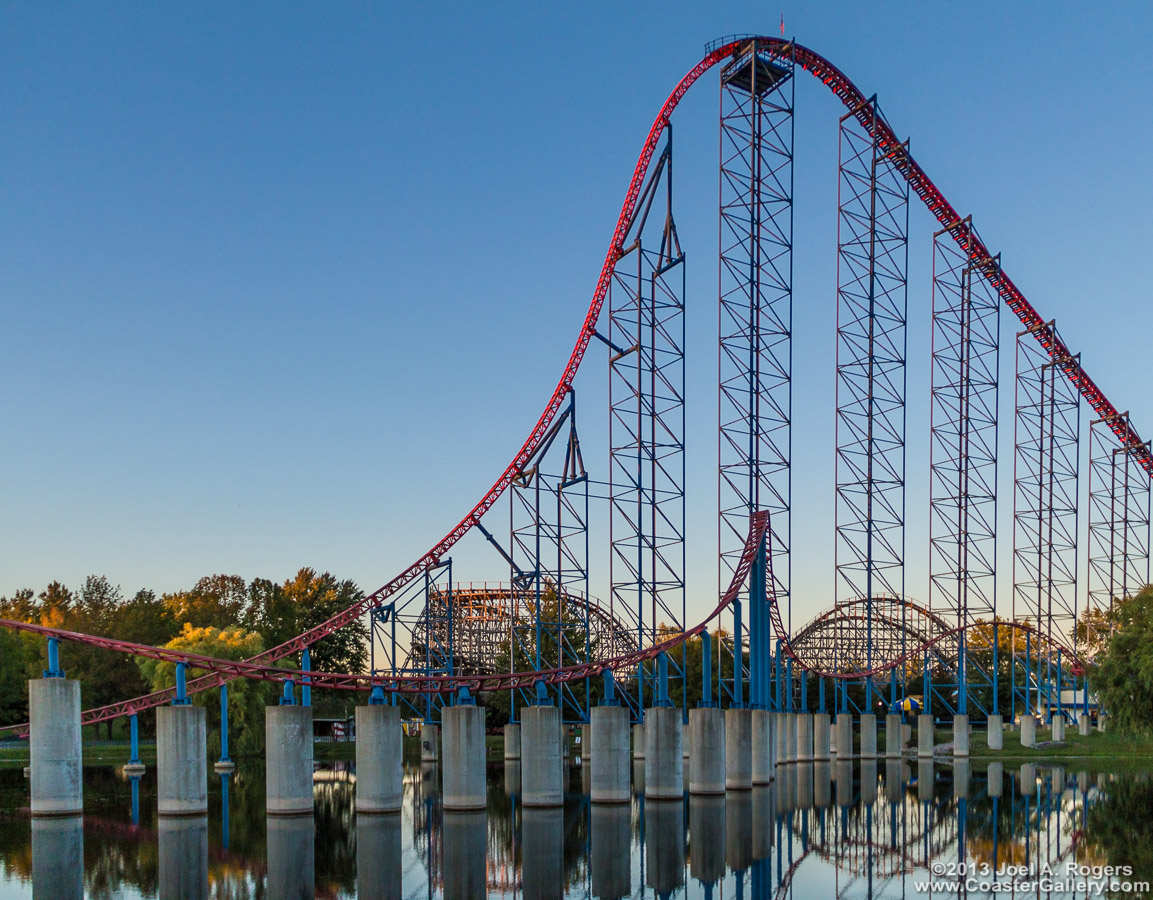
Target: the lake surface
(851, 830)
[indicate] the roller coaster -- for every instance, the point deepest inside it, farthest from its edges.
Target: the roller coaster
(433, 636)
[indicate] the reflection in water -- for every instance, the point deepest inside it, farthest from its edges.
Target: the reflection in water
(291, 857)
(378, 858)
(665, 845)
(707, 842)
(58, 858)
(609, 856)
(465, 845)
(739, 829)
(542, 852)
(183, 857)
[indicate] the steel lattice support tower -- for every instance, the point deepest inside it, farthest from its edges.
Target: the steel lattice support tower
(647, 419)
(872, 266)
(1118, 525)
(963, 436)
(1046, 468)
(755, 333)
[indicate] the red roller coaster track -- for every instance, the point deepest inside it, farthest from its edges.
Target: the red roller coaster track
(856, 102)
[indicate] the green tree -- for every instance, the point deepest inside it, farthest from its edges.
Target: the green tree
(246, 699)
(217, 600)
(1123, 675)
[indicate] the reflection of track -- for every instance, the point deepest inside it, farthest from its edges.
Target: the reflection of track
(981, 260)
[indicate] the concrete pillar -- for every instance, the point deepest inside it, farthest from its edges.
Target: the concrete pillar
(664, 755)
(639, 741)
(639, 777)
(1084, 724)
(429, 742)
(183, 856)
(844, 737)
(379, 750)
(893, 733)
(804, 737)
(464, 758)
(781, 739)
(609, 742)
(707, 827)
(512, 740)
(291, 852)
(378, 857)
(761, 746)
(906, 735)
(465, 843)
(995, 737)
(791, 736)
(1028, 731)
(1058, 728)
(833, 734)
(738, 749)
(995, 778)
(868, 735)
(821, 747)
(541, 771)
(925, 737)
(58, 854)
(182, 761)
(961, 736)
(54, 745)
(611, 840)
(707, 763)
(542, 853)
(288, 760)
(586, 744)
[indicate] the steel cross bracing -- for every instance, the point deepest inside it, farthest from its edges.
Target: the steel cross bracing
(872, 262)
(646, 326)
(918, 182)
(1118, 528)
(963, 440)
(755, 327)
(1046, 475)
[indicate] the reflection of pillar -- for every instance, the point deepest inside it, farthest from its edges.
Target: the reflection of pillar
(739, 829)
(512, 741)
(844, 782)
(378, 862)
(894, 780)
(822, 786)
(429, 742)
(961, 779)
(995, 778)
(58, 856)
(609, 854)
(639, 777)
(291, 855)
(465, 845)
(512, 777)
(707, 844)
(1028, 779)
(183, 867)
(805, 785)
(763, 820)
(665, 841)
(542, 853)
(868, 781)
(925, 779)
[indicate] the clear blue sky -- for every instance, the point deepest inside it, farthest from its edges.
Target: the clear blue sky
(288, 284)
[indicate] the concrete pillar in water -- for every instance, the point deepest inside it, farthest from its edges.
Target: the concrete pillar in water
(995, 778)
(833, 734)
(183, 852)
(379, 748)
(58, 855)
(707, 762)
(609, 740)
(665, 840)
(844, 736)
(894, 780)
(638, 777)
(639, 741)
(822, 783)
(1028, 783)
(541, 771)
(925, 779)
(760, 747)
(1084, 724)
(925, 737)
(611, 840)
(707, 848)
(182, 761)
(738, 749)
(995, 736)
(512, 776)
(844, 782)
(429, 742)
(464, 758)
(288, 756)
(1058, 732)
(512, 741)
(822, 750)
(961, 736)
(1028, 731)
(805, 746)
(465, 848)
(542, 852)
(586, 744)
(790, 737)
(868, 736)
(739, 830)
(54, 747)
(664, 757)
(378, 858)
(804, 785)
(869, 781)
(893, 735)
(784, 722)
(961, 778)
(291, 853)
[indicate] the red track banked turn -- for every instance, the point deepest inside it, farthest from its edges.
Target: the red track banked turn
(856, 102)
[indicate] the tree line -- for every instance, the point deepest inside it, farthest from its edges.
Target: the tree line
(221, 615)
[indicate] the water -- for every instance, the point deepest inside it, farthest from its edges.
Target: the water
(851, 830)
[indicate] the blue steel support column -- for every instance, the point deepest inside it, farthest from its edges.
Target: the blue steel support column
(134, 757)
(756, 598)
(181, 698)
(996, 666)
(821, 694)
(306, 682)
(224, 723)
(738, 653)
